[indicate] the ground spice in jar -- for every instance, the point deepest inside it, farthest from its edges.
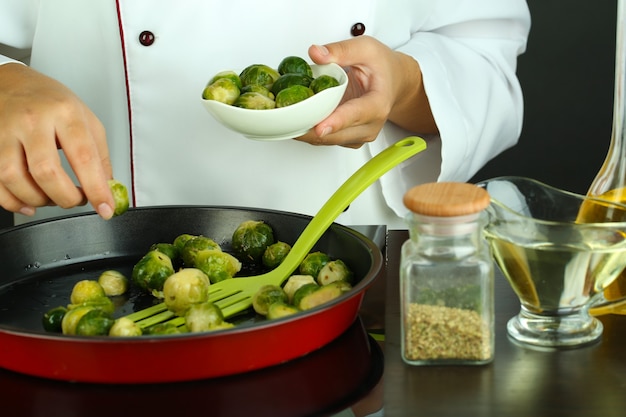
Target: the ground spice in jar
(440, 332)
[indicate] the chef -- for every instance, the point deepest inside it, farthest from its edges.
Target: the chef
(91, 90)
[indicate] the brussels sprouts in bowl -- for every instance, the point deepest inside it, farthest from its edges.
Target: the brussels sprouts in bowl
(283, 122)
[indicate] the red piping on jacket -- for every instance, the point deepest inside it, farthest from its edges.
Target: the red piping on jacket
(130, 115)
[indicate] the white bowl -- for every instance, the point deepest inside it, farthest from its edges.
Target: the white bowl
(284, 122)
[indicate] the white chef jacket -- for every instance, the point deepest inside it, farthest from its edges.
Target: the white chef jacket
(169, 151)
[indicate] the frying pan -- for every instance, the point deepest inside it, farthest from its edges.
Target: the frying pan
(41, 261)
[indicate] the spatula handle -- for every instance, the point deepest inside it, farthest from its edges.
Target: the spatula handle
(346, 193)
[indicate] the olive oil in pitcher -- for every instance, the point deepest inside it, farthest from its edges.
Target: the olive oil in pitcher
(610, 182)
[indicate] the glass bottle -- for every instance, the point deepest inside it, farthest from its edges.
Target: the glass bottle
(446, 277)
(610, 181)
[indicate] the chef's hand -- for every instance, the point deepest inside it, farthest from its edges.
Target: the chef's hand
(39, 116)
(383, 85)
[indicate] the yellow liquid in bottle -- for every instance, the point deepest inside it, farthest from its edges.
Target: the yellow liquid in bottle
(593, 212)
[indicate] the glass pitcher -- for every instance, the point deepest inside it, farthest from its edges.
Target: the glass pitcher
(557, 266)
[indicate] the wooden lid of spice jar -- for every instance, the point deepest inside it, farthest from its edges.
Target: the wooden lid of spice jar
(446, 199)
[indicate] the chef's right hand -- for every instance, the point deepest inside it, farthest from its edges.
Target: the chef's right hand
(39, 116)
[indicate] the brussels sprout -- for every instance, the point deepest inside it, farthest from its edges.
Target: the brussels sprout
(113, 283)
(103, 303)
(193, 246)
(302, 292)
(181, 240)
(169, 249)
(250, 239)
(280, 309)
(256, 88)
(292, 95)
(120, 197)
(294, 283)
(323, 82)
(322, 295)
(333, 271)
(267, 295)
(231, 75)
(295, 65)
(288, 80)
(275, 253)
(95, 323)
(223, 90)
(255, 101)
(258, 74)
(86, 290)
(53, 318)
(163, 329)
(313, 263)
(152, 270)
(217, 265)
(124, 327)
(184, 288)
(202, 317)
(72, 317)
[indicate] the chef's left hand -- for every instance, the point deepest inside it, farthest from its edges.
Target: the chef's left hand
(383, 84)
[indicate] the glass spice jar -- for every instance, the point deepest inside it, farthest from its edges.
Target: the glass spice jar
(446, 277)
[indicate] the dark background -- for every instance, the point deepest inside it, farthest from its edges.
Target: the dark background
(567, 75)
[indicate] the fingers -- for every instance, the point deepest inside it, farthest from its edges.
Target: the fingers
(37, 116)
(86, 151)
(359, 50)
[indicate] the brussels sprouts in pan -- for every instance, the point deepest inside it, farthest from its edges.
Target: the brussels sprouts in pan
(275, 253)
(250, 239)
(302, 292)
(280, 309)
(255, 101)
(217, 265)
(120, 197)
(169, 249)
(259, 74)
(53, 318)
(95, 323)
(152, 270)
(335, 270)
(184, 288)
(180, 241)
(72, 317)
(313, 263)
(295, 65)
(163, 329)
(103, 303)
(267, 295)
(294, 283)
(86, 290)
(223, 90)
(322, 295)
(193, 246)
(125, 327)
(202, 317)
(113, 283)
(292, 95)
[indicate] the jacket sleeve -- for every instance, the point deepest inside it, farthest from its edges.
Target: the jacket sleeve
(467, 51)
(17, 28)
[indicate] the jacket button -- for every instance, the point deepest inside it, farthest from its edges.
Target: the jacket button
(357, 29)
(146, 38)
